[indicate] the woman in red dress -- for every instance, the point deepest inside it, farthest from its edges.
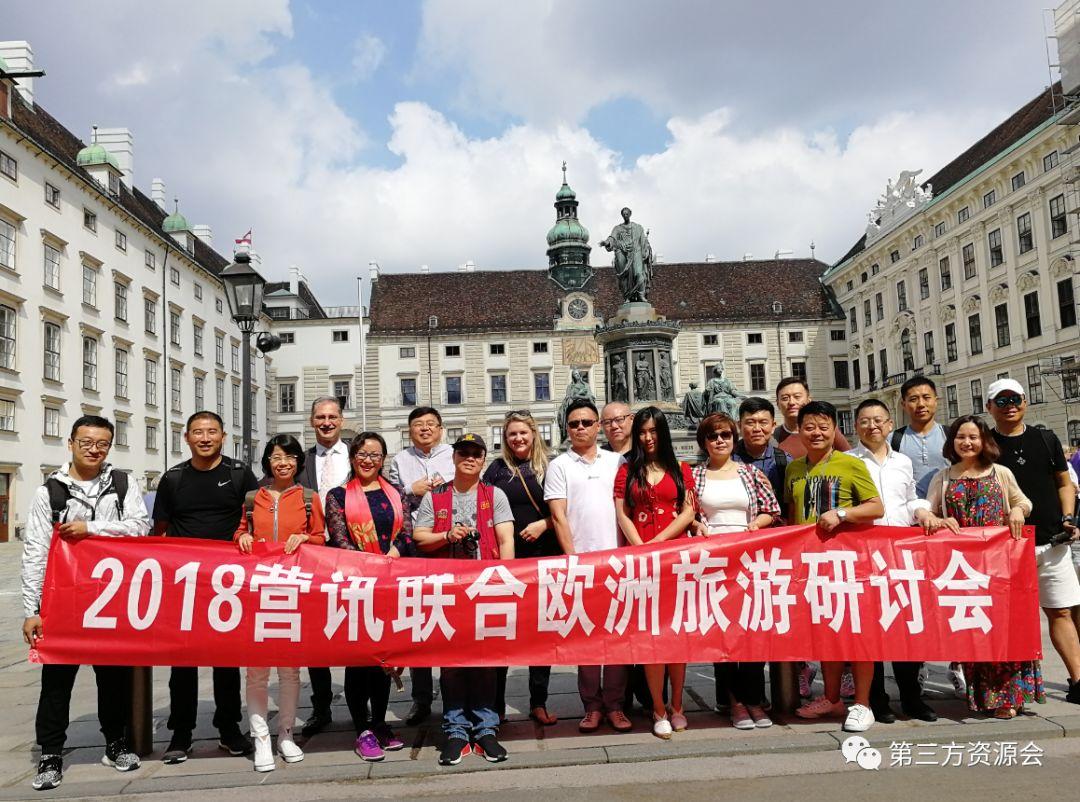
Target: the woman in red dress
(654, 501)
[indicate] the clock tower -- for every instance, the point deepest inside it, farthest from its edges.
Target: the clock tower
(568, 243)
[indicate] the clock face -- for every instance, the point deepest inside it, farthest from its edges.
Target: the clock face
(578, 308)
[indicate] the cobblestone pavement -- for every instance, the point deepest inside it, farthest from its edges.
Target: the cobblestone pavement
(329, 756)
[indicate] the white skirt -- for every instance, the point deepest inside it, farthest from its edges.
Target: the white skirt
(1058, 584)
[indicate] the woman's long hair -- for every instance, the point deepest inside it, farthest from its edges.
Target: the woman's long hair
(538, 456)
(990, 451)
(665, 455)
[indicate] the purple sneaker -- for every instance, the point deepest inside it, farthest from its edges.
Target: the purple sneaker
(387, 740)
(367, 747)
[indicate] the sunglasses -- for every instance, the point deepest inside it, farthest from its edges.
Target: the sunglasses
(580, 424)
(1002, 401)
(521, 413)
(727, 434)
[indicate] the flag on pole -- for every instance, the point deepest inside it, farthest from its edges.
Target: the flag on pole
(246, 239)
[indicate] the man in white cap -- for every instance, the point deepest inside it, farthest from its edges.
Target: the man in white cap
(1036, 458)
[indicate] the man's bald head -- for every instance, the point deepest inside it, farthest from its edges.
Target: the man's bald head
(617, 420)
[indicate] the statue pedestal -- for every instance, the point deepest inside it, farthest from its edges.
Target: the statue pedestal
(639, 367)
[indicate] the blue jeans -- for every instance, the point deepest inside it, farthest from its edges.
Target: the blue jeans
(469, 702)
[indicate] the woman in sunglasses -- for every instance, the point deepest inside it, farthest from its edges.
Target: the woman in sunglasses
(977, 492)
(519, 473)
(366, 514)
(654, 501)
(734, 497)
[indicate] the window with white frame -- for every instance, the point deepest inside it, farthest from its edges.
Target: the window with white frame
(924, 284)
(952, 402)
(52, 195)
(90, 363)
(121, 357)
(150, 260)
(219, 305)
(287, 397)
(545, 432)
(235, 353)
(121, 433)
(51, 256)
(219, 349)
(946, 273)
(236, 404)
(7, 245)
(496, 437)
(219, 396)
(121, 240)
(174, 276)
(939, 229)
(1034, 384)
(963, 215)
(151, 382)
(175, 441)
(339, 336)
(498, 388)
(174, 389)
(976, 396)
(497, 349)
(8, 166)
(342, 392)
(197, 289)
(174, 327)
(1058, 223)
(89, 285)
(52, 422)
(7, 337)
(52, 351)
(200, 393)
(989, 199)
(540, 347)
(89, 220)
(993, 240)
(406, 352)
(754, 338)
(151, 437)
(197, 337)
(542, 386)
(1024, 236)
(794, 336)
(757, 377)
(7, 415)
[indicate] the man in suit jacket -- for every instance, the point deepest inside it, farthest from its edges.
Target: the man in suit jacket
(326, 466)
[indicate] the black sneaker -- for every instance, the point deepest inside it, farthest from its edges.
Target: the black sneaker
(179, 748)
(50, 773)
(235, 744)
(119, 755)
(489, 748)
(318, 722)
(1073, 696)
(453, 752)
(418, 713)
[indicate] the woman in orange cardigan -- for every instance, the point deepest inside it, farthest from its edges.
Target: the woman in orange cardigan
(281, 511)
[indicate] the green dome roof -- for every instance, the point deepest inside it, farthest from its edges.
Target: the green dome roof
(565, 193)
(95, 154)
(567, 230)
(175, 222)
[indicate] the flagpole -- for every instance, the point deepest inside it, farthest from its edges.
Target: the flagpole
(363, 371)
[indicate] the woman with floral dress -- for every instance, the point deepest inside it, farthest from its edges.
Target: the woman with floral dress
(976, 492)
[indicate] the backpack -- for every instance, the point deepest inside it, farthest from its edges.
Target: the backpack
(249, 508)
(897, 437)
(60, 494)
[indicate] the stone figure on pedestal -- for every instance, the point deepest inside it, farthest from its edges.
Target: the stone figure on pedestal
(644, 384)
(667, 383)
(620, 390)
(633, 258)
(693, 406)
(721, 395)
(578, 388)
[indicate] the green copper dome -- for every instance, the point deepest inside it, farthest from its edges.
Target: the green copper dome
(95, 154)
(175, 222)
(565, 193)
(567, 230)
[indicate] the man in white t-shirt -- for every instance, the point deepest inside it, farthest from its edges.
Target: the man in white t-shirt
(579, 488)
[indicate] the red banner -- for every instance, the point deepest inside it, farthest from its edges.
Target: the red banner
(876, 593)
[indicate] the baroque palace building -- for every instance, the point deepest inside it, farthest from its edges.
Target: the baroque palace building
(972, 275)
(108, 304)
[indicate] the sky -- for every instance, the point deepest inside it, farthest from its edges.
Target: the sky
(433, 133)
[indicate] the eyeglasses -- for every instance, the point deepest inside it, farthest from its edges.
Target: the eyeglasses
(580, 424)
(424, 425)
(616, 419)
(872, 421)
(521, 413)
(471, 455)
(727, 434)
(278, 459)
(1002, 401)
(87, 444)
(367, 456)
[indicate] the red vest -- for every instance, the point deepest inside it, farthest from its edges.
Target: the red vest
(443, 501)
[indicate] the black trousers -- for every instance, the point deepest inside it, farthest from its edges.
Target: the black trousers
(54, 703)
(744, 681)
(539, 678)
(637, 686)
(184, 699)
(907, 681)
(423, 688)
(322, 694)
(364, 686)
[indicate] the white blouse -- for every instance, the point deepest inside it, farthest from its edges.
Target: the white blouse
(725, 505)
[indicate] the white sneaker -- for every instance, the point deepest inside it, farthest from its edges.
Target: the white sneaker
(740, 717)
(821, 708)
(264, 753)
(959, 683)
(860, 718)
(761, 720)
(661, 728)
(287, 748)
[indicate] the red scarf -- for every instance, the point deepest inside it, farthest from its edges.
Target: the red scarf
(443, 503)
(358, 515)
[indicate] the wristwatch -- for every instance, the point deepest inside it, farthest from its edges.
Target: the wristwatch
(841, 513)
(1069, 519)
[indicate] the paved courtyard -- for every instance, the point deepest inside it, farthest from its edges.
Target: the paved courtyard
(330, 757)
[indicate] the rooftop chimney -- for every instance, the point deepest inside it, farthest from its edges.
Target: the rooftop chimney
(20, 58)
(204, 233)
(373, 268)
(424, 269)
(121, 144)
(782, 254)
(294, 279)
(710, 257)
(461, 268)
(470, 266)
(157, 192)
(746, 257)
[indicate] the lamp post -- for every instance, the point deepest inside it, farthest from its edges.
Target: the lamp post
(778, 310)
(244, 291)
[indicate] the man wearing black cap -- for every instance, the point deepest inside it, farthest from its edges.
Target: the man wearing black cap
(467, 520)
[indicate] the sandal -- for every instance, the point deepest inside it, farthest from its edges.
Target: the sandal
(540, 715)
(1004, 713)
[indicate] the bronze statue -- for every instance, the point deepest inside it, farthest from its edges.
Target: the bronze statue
(619, 388)
(578, 388)
(693, 406)
(721, 395)
(633, 258)
(644, 384)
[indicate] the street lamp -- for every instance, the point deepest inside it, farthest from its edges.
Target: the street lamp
(778, 310)
(244, 291)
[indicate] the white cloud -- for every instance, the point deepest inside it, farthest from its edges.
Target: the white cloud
(368, 53)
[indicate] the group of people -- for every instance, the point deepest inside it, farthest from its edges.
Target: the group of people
(435, 499)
